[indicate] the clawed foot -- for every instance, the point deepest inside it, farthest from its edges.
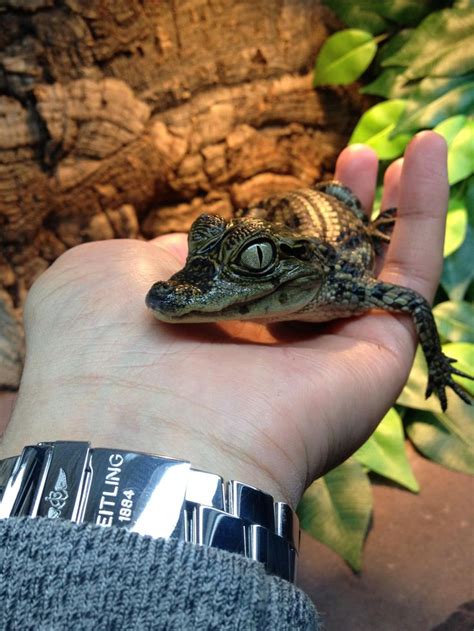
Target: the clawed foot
(381, 228)
(440, 378)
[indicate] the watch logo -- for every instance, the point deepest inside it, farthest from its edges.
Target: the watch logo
(58, 497)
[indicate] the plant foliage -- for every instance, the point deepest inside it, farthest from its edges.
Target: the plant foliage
(336, 510)
(418, 57)
(344, 57)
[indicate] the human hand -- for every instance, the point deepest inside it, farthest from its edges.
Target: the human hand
(274, 407)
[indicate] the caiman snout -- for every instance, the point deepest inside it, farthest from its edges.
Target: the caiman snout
(170, 298)
(184, 292)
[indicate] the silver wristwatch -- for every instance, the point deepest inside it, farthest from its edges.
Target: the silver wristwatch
(150, 495)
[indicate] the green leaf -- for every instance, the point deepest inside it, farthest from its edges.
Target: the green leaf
(428, 89)
(469, 198)
(458, 270)
(440, 46)
(450, 128)
(435, 100)
(455, 320)
(375, 127)
(393, 45)
(464, 4)
(458, 131)
(461, 154)
(336, 510)
(458, 420)
(456, 226)
(413, 394)
(358, 15)
(463, 352)
(387, 78)
(377, 201)
(383, 84)
(434, 441)
(469, 295)
(404, 12)
(384, 452)
(344, 57)
(377, 16)
(449, 439)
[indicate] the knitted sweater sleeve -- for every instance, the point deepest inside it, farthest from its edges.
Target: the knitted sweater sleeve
(58, 575)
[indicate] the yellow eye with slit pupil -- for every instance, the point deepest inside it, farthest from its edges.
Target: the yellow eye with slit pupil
(258, 256)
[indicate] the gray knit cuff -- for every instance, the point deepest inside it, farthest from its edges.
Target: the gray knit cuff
(55, 575)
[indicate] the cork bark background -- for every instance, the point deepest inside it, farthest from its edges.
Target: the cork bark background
(127, 118)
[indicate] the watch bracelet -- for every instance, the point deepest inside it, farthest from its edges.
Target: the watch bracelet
(152, 495)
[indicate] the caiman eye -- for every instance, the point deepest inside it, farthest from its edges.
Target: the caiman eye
(257, 257)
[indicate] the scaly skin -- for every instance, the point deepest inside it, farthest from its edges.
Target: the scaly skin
(307, 255)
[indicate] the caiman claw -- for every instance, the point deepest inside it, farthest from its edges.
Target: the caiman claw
(440, 373)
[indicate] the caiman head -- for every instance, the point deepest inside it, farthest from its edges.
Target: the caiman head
(244, 269)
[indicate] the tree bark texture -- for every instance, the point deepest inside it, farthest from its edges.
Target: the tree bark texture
(127, 118)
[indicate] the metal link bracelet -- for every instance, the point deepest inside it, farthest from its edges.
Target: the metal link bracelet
(151, 495)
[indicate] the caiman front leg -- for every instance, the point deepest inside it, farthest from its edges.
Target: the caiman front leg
(394, 298)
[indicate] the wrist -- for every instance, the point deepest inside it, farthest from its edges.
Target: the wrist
(113, 416)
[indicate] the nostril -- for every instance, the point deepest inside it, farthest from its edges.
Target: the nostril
(168, 296)
(158, 292)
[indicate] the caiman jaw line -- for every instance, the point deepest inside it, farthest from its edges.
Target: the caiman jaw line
(249, 302)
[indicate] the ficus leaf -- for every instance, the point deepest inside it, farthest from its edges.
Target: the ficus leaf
(458, 131)
(464, 4)
(463, 352)
(336, 510)
(459, 416)
(456, 226)
(385, 454)
(359, 15)
(468, 189)
(439, 47)
(435, 100)
(450, 128)
(461, 154)
(343, 57)
(377, 16)
(376, 126)
(458, 270)
(455, 320)
(383, 84)
(393, 44)
(427, 89)
(403, 12)
(435, 441)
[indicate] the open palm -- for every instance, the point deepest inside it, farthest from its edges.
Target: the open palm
(274, 406)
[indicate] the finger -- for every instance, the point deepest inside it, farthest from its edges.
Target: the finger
(175, 243)
(391, 185)
(356, 168)
(415, 255)
(391, 190)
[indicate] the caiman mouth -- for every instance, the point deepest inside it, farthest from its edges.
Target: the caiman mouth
(245, 309)
(238, 311)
